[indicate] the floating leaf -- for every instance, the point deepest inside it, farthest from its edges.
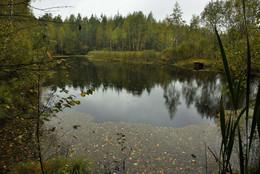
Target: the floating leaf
(76, 126)
(72, 103)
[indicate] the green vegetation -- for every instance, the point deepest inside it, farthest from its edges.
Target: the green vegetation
(27, 45)
(149, 57)
(146, 56)
(24, 65)
(174, 38)
(57, 165)
(232, 125)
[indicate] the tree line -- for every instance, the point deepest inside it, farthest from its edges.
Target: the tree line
(172, 36)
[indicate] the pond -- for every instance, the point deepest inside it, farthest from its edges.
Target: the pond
(166, 115)
(170, 97)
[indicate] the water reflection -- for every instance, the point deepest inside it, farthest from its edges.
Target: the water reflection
(172, 99)
(146, 94)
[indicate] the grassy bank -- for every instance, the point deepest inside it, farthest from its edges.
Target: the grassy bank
(135, 57)
(209, 65)
(147, 57)
(153, 57)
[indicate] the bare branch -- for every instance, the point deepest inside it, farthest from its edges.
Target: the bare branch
(51, 8)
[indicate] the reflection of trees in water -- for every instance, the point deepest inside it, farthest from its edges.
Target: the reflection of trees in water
(133, 78)
(172, 99)
(189, 92)
(207, 102)
(204, 92)
(201, 89)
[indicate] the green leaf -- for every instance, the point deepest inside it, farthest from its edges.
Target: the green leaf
(55, 110)
(46, 119)
(45, 113)
(6, 106)
(222, 120)
(258, 121)
(226, 67)
(41, 122)
(256, 118)
(241, 154)
(239, 117)
(237, 91)
(14, 79)
(230, 139)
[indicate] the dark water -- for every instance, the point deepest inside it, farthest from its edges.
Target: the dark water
(158, 96)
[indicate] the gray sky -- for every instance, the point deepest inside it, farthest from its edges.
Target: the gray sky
(159, 8)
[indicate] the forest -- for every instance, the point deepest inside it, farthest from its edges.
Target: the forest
(173, 37)
(31, 48)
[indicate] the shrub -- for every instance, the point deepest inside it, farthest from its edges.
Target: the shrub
(169, 54)
(148, 55)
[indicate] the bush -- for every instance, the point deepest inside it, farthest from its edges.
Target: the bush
(148, 55)
(169, 54)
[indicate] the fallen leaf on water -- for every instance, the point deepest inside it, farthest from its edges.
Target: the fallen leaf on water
(82, 94)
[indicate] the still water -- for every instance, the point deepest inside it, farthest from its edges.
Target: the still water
(165, 114)
(168, 97)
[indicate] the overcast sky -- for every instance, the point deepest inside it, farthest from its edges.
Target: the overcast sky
(159, 8)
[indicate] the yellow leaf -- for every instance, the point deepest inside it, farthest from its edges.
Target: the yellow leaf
(49, 55)
(83, 94)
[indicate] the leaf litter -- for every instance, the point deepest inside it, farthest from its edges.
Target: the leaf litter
(153, 149)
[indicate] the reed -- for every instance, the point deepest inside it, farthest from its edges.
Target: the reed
(230, 128)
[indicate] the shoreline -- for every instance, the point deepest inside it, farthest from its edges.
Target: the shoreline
(184, 64)
(209, 65)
